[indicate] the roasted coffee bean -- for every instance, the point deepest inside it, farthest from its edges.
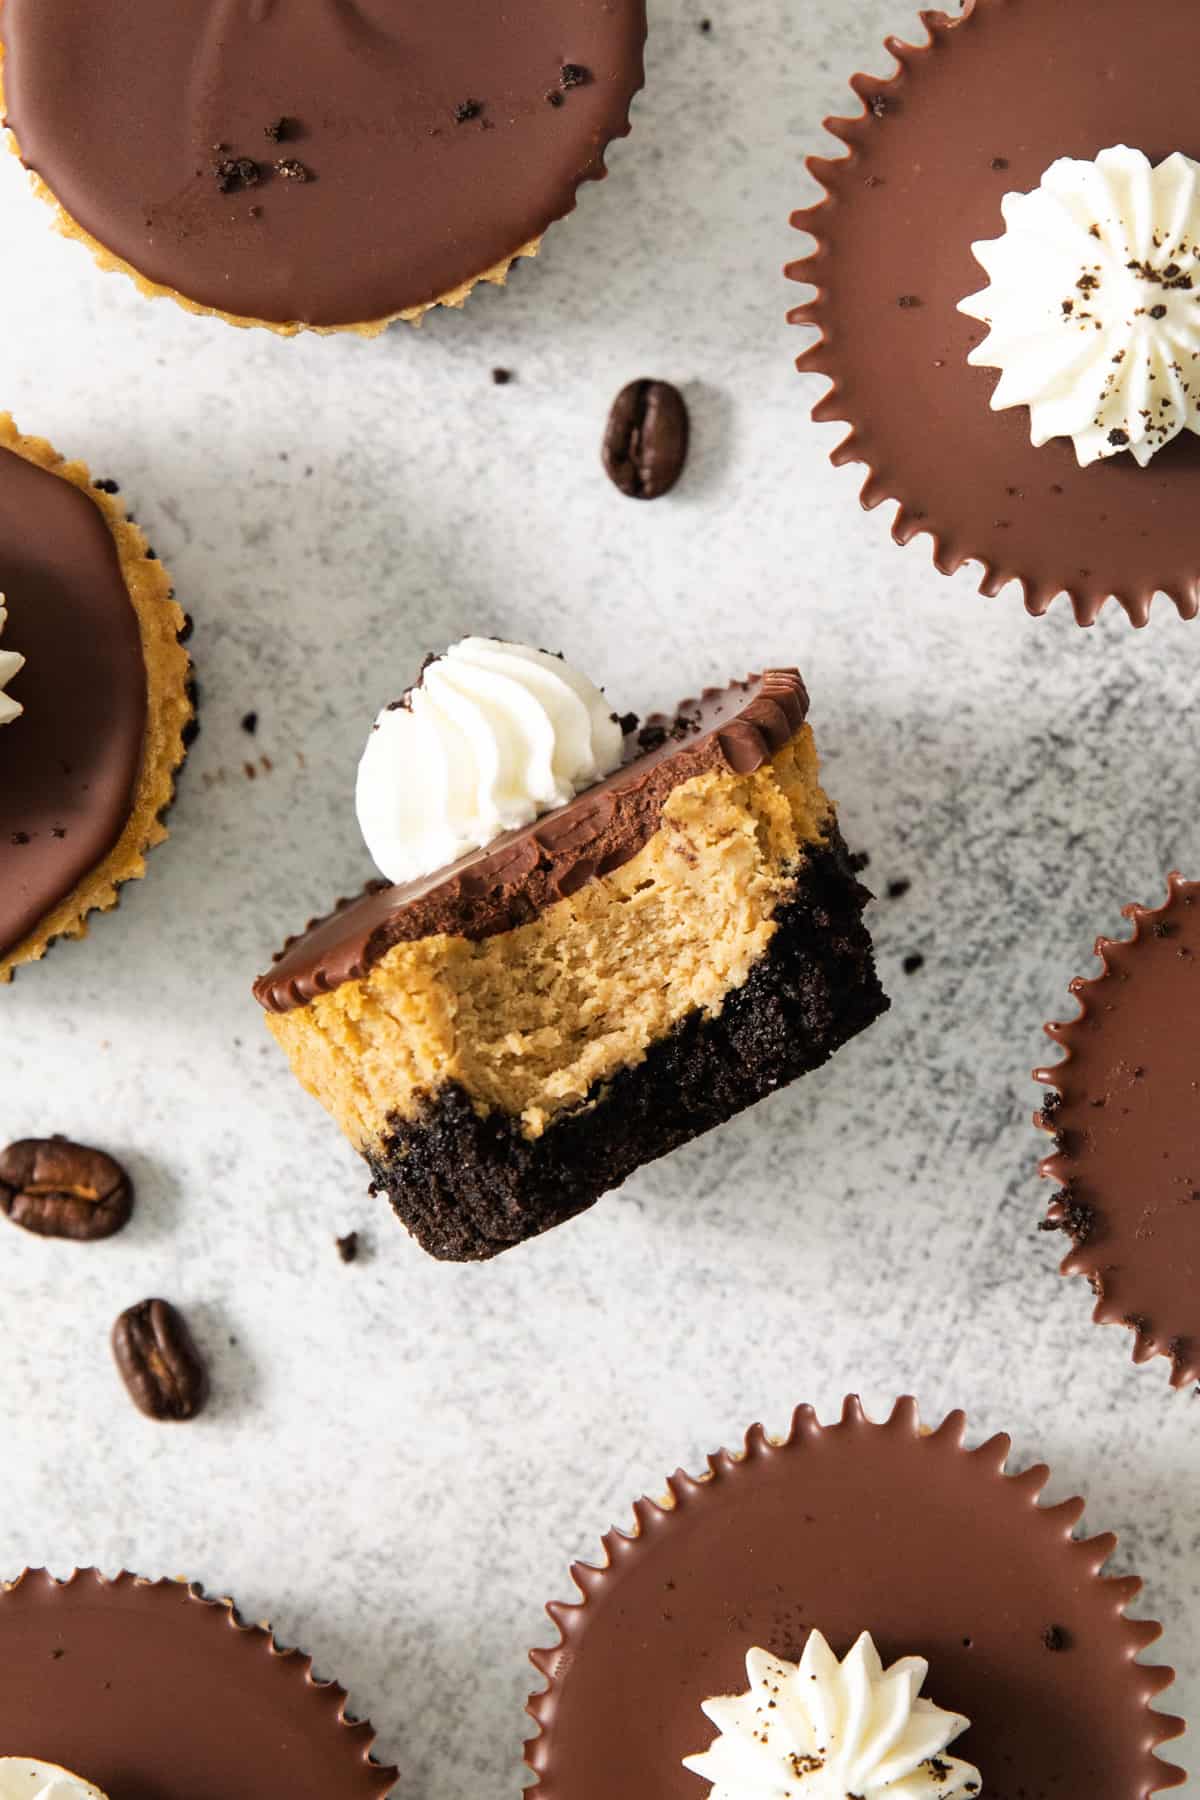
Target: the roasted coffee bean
(159, 1361)
(646, 439)
(65, 1190)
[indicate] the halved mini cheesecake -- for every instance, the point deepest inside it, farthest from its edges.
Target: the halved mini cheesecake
(510, 1036)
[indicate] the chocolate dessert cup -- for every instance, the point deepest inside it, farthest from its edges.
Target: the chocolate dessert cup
(330, 165)
(847, 1528)
(1122, 1109)
(87, 769)
(147, 1689)
(508, 1038)
(980, 109)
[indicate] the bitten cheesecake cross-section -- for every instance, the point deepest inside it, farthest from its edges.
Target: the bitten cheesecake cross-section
(508, 1036)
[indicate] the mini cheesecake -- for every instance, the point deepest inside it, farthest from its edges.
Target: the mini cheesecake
(325, 164)
(508, 1037)
(154, 1690)
(95, 701)
(890, 1529)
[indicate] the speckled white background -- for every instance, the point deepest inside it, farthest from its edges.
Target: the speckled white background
(401, 1457)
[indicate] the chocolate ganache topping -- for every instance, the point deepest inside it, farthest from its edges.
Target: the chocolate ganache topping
(1126, 1129)
(149, 1690)
(512, 879)
(330, 162)
(855, 1526)
(69, 765)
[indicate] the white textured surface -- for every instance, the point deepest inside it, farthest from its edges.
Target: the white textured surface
(401, 1457)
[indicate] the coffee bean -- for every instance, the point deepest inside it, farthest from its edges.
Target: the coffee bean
(646, 439)
(59, 1189)
(159, 1361)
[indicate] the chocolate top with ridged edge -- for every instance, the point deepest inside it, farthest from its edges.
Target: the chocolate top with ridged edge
(434, 140)
(984, 109)
(510, 881)
(848, 1528)
(69, 765)
(1125, 1116)
(149, 1690)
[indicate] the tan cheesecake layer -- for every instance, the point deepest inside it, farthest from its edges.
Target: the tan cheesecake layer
(528, 1021)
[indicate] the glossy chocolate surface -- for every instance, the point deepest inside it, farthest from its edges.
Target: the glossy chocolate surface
(69, 764)
(849, 1528)
(511, 880)
(995, 99)
(1126, 1118)
(433, 140)
(155, 1694)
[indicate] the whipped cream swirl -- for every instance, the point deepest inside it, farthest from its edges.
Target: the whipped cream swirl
(23, 1779)
(492, 736)
(824, 1730)
(1094, 303)
(10, 664)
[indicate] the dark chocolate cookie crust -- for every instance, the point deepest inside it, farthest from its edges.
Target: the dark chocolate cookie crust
(468, 1187)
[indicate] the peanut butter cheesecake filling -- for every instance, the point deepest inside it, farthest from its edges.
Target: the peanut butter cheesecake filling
(531, 1021)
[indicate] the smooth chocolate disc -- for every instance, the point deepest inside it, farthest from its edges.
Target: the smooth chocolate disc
(154, 1693)
(997, 95)
(333, 162)
(849, 1528)
(1125, 1114)
(69, 765)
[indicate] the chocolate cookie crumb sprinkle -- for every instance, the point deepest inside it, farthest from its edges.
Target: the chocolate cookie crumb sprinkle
(347, 1247)
(912, 962)
(250, 722)
(278, 130)
(292, 170)
(573, 75)
(502, 377)
(898, 888)
(234, 173)
(1056, 1638)
(467, 110)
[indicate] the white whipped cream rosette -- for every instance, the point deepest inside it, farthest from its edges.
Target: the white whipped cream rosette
(493, 736)
(10, 664)
(1093, 303)
(822, 1729)
(21, 1778)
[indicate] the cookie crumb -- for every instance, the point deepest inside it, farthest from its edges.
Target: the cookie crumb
(278, 130)
(502, 377)
(347, 1247)
(233, 173)
(912, 962)
(898, 888)
(467, 109)
(1056, 1638)
(292, 170)
(573, 75)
